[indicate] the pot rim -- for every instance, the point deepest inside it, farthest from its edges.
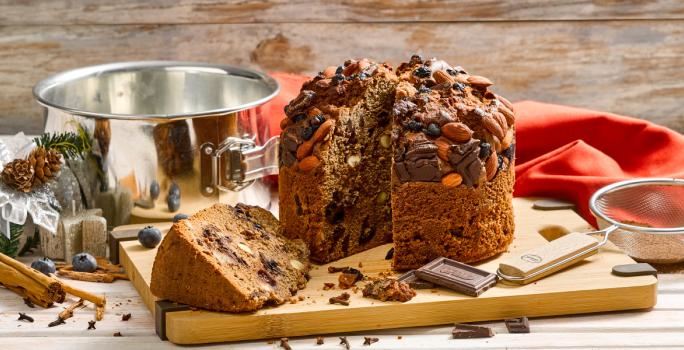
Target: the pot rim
(40, 89)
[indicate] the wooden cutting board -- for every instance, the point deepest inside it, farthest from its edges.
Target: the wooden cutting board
(584, 288)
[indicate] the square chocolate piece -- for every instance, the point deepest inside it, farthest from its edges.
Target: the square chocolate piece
(414, 282)
(457, 276)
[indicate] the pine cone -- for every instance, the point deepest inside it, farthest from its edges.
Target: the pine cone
(46, 164)
(18, 174)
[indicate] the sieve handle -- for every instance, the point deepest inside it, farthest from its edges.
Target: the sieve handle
(549, 258)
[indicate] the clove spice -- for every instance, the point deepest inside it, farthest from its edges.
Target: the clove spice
(284, 344)
(56, 322)
(370, 340)
(25, 317)
(342, 299)
(343, 341)
(91, 325)
(126, 317)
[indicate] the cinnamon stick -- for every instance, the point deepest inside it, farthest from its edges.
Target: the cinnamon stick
(54, 287)
(99, 301)
(101, 277)
(69, 311)
(24, 286)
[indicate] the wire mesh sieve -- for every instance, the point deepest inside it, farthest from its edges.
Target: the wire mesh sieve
(648, 215)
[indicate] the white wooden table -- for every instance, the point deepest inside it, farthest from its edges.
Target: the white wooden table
(661, 327)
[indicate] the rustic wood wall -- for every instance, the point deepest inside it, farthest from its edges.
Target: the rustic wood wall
(621, 56)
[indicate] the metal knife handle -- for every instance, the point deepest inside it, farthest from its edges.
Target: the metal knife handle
(549, 258)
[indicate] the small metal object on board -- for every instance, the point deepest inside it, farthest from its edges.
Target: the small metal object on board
(643, 217)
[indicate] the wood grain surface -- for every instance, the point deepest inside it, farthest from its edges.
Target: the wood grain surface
(61, 12)
(618, 56)
(589, 285)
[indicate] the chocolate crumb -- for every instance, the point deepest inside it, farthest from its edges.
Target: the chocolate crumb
(126, 317)
(91, 325)
(25, 317)
(328, 285)
(343, 341)
(117, 334)
(400, 337)
(56, 322)
(390, 254)
(29, 303)
(518, 325)
(333, 269)
(370, 340)
(320, 340)
(284, 344)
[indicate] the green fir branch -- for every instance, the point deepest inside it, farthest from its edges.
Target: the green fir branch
(10, 246)
(70, 144)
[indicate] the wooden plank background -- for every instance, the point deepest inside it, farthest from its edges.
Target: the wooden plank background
(619, 56)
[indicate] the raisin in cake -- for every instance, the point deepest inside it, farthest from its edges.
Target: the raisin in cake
(229, 259)
(452, 170)
(335, 160)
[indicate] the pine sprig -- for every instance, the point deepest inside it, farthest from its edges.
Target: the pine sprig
(10, 246)
(70, 144)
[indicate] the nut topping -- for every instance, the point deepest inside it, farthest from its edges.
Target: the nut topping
(491, 165)
(322, 131)
(479, 81)
(309, 163)
(508, 114)
(443, 145)
(305, 149)
(507, 140)
(492, 126)
(452, 180)
(441, 77)
(457, 132)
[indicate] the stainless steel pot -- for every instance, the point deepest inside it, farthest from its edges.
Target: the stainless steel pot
(197, 125)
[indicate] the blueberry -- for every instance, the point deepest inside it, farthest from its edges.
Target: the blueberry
(298, 117)
(423, 89)
(485, 150)
(84, 262)
(459, 86)
(414, 125)
(174, 190)
(150, 236)
(307, 133)
(363, 76)
(179, 217)
(154, 189)
(422, 72)
(433, 130)
(44, 265)
(337, 79)
(173, 203)
(318, 120)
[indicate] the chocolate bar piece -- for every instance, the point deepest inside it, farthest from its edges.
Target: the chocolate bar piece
(414, 282)
(468, 331)
(518, 325)
(640, 269)
(457, 276)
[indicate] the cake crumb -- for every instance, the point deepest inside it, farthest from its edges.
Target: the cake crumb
(320, 340)
(389, 289)
(328, 285)
(360, 264)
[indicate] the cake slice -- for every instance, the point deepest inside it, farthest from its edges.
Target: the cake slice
(229, 259)
(335, 161)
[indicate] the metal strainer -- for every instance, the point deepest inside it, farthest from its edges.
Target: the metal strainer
(643, 217)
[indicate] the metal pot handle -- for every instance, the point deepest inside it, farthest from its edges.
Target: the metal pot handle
(243, 162)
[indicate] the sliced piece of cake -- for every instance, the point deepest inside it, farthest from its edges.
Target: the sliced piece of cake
(229, 259)
(335, 160)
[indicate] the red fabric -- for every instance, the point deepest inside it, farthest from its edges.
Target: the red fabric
(563, 152)
(569, 153)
